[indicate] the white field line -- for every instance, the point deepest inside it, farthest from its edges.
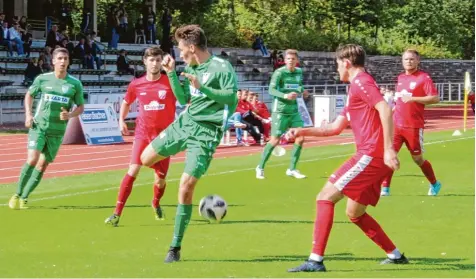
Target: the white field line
(220, 173)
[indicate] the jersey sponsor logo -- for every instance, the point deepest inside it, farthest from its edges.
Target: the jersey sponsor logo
(412, 85)
(298, 78)
(291, 86)
(56, 99)
(205, 77)
(65, 88)
(142, 93)
(162, 94)
(154, 105)
(32, 143)
(94, 116)
(402, 93)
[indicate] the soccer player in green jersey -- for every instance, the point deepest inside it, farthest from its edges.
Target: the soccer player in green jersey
(59, 91)
(209, 87)
(285, 87)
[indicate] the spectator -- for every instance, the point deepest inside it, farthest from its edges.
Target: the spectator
(65, 19)
(49, 12)
(5, 38)
(23, 23)
(2, 18)
(261, 112)
(123, 20)
(45, 60)
(113, 26)
(235, 121)
(258, 44)
(123, 63)
(252, 115)
(82, 52)
(150, 16)
(471, 99)
(15, 37)
(27, 40)
(86, 19)
(244, 108)
(31, 71)
(166, 23)
(53, 37)
(94, 50)
(279, 62)
(65, 43)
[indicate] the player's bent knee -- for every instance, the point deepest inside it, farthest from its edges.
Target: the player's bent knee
(149, 156)
(418, 159)
(33, 157)
(330, 193)
(274, 140)
(133, 170)
(299, 140)
(160, 182)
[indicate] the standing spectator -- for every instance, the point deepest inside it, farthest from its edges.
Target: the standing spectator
(49, 13)
(65, 19)
(53, 37)
(86, 19)
(123, 20)
(113, 26)
(31, 72)
(5, 38)
(15, 37)
(123, 63)
(258, 44)
(151, 29)
(166, 23)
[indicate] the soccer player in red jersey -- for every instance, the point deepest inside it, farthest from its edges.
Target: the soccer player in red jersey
(414, 90)
(361, 176)
(156, 112)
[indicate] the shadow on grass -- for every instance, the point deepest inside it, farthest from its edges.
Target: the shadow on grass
(420, 263)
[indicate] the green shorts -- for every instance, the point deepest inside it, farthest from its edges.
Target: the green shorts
(200, 141)
(280, 123)
(47, 144)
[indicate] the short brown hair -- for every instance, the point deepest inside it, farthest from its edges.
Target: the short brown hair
(153, 51)
(413, 51)
(192, 35)
(354, 53)
(291, 52)
(60, 50)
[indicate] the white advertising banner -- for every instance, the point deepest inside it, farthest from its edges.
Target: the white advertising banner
(100, 124)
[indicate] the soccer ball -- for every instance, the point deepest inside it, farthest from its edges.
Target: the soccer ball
(213, 208)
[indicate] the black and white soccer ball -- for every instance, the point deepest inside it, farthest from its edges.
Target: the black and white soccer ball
(213, 208)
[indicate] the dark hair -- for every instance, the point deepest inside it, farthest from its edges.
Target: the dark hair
(192, 35)
(60, 50)
(153, 51)
(354, 53)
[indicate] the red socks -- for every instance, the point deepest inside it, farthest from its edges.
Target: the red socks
(158, 193)
(373, 230)
(427, 170)
(322, 226)
(124, 192)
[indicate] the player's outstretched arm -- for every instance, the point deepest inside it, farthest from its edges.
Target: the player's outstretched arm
(327, 130)
(385, 113)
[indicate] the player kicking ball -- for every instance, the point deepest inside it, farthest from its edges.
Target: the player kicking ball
(156, 112)
(414, 90)
(285, 87)
(59, 92)
(210, 87)
(358, 179)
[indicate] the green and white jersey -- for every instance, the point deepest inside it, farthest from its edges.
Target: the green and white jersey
(55, 94)
(283, 82)
(216, 100)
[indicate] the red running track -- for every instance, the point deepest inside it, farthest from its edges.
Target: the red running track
(82, 159)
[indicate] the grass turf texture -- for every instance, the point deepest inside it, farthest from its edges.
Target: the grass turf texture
(268, 227)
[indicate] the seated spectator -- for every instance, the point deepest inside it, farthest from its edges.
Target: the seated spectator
(235, 122)
(95, 50)
(65, 43)
(258, 44)
(15, 37)
(82, 52)
(5, 38)
(123, 63)
(279, 62)
(23, 23)
(46, 60)
(53, 38)
(247, 118)
(261, 112)
(31, 72)
(27, 40)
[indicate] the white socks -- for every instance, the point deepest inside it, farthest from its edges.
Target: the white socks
(316, 257)
(394, 255)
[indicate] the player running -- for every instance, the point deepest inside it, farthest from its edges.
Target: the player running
(59, 92)
(360, 177)
(414, 90)
(156, 112)
(285, 87)
(210, 86)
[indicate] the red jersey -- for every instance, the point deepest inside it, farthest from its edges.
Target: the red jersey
(156, 105)
(471, 98)
(262, 110)
(418, 84)
(243, 106)
(360, 111)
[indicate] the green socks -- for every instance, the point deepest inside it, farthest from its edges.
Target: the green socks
(268, 149)
(296, 153)
(34, 180)
(184, 214)
(24, 177)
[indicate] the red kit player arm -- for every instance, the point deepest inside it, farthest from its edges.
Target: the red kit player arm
(431, 94)
(327, 130)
